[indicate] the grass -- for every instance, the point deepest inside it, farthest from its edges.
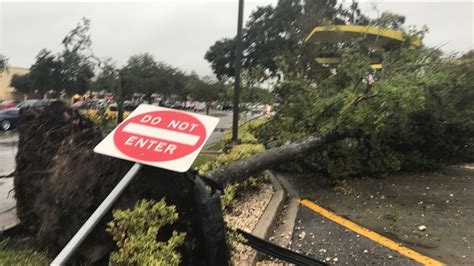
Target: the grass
(202, 159)
(12, 253)
(215, 147)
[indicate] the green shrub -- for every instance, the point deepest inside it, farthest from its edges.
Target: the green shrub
(237, 152)
(245, 131)
(135, 232)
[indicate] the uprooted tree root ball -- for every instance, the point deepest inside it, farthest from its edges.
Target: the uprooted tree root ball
(59, 182)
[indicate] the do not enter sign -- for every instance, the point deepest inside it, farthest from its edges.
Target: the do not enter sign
(160, 137)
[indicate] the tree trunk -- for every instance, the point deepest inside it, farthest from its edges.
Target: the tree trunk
(259, 162)
(120, 101)
(120, 111)
(148, 96)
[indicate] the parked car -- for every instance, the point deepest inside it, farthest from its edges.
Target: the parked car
(168, 104)
(226, 106)
(178, 105)
(102, 103)
(129, 106)
(9, 118)
(189, 105)
(8, 104)
(199, 106)
(35, 104)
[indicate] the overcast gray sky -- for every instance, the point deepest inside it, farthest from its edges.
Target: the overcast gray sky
(180, 32)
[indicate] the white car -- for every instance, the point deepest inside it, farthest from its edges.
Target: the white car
(200, 106)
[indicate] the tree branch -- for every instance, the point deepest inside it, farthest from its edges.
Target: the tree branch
(242, 169)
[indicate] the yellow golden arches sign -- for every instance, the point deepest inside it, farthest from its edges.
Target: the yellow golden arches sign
(375, 37)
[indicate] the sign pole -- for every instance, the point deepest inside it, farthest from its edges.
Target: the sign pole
(237, 66)
(79, 237)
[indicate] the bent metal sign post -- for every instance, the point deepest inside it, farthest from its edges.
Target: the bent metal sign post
(151, 135)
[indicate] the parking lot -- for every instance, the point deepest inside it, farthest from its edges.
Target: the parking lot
(382, 220)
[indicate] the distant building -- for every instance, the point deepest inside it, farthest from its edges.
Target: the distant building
(6, 91)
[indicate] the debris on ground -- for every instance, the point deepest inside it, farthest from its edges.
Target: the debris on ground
(422, 227)
(244, 214)
(302, 235)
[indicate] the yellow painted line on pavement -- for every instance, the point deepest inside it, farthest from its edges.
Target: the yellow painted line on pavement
(371, 235)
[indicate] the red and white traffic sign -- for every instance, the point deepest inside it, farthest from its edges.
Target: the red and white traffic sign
(160, 137)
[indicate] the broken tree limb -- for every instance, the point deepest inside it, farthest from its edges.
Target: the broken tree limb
(242, 169)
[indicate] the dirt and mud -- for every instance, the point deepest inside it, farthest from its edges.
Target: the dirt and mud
(59, 182)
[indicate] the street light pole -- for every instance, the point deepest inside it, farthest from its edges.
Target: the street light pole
(237, 66)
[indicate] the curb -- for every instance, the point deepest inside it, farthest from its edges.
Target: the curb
(279, 217)
(292, 193)
(283, 232)
(269, 218)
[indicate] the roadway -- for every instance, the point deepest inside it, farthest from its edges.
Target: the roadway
(8, 149)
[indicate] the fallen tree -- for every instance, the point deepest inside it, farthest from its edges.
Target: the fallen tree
(60, 181)
(242, 169)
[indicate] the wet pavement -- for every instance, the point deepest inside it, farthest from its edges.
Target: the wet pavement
(8, 217)
(430, 213)
(332, 243)
(225, 123)
(8, 148)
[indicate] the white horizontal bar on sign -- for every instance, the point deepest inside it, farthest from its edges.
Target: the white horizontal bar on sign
(160, 133)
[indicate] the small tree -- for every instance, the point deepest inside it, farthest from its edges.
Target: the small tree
(140, 75)
(46, 73)
(77, 59)
(22, 84)
(3, 63)
(110, 79)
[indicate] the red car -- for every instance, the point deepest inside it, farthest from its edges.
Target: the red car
(8, 104)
